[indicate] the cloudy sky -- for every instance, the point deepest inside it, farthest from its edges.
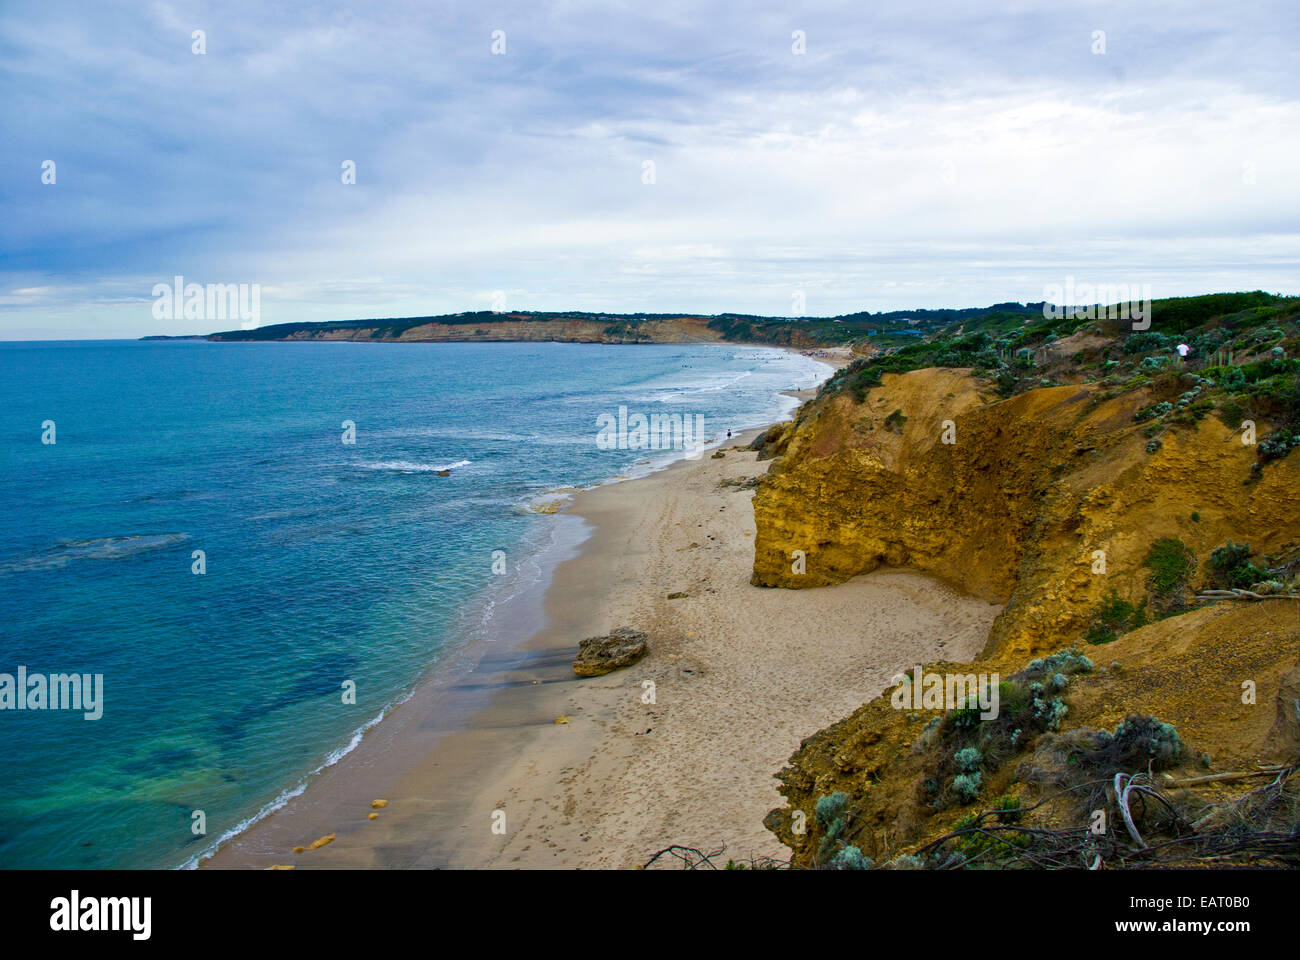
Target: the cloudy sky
(918, 153)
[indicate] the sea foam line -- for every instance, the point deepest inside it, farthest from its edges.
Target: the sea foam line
(282, 799)
(409, 466)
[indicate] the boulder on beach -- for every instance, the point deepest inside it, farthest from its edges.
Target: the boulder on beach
(773, 441)
(619, 648)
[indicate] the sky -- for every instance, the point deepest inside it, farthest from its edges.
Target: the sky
(701, 157)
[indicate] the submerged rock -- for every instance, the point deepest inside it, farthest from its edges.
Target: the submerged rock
(619, 648)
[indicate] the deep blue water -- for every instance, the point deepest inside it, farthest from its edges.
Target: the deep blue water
(325, 562)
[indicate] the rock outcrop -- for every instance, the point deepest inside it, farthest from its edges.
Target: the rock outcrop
(619, 648)
(773, 441)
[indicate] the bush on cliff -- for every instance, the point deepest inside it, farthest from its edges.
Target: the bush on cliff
(967, 759)
(1068, 661)
(1114, 618)
(1172, 564)
(1138, 742)
(1230, 567)
(966, 787)
(832, 853)
(849, 858)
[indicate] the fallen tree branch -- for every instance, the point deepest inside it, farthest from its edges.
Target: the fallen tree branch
(1237, 594)
(1221, 777)
(690, 856)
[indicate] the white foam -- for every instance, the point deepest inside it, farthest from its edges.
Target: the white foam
(285, 796)
(409, 466)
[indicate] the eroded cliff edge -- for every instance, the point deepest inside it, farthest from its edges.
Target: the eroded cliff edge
(1052, 502)
(1015, 508)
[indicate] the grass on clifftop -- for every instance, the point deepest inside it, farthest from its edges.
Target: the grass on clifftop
(1242, 363)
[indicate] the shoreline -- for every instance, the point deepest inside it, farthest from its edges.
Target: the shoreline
(737, 682)
(442, 704)
(446, 698)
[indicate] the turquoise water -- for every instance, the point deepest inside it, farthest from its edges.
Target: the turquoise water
(326, 562)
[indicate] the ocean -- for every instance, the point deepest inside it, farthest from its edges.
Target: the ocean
(254, 589)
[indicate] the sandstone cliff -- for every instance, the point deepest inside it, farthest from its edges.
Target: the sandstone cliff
(1048, 502)
(1016, 507)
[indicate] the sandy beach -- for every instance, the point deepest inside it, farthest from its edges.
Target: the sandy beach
(510, 761)
(741, 675)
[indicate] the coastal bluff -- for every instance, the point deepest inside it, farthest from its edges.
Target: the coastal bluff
(1016, 508)
(530, 326)
(1060, 505)
(515, 328)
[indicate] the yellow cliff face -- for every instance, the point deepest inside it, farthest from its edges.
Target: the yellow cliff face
(1043, 502)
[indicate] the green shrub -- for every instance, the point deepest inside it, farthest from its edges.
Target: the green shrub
(1114, 618)
(1143, 342)
(1231, 413)
(1172, 564)
(830, 810)
(1230, 566)
(967, 759)
(894, 422)
(1153, 411)
(907, 861)
(849, 858)
(1277, 445)
(1006, 383)
(1046, 713)
(996, 843)
(966, 786)
(1232, 378)
(1063, 661)
(1139, 740)
(1008, 808)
